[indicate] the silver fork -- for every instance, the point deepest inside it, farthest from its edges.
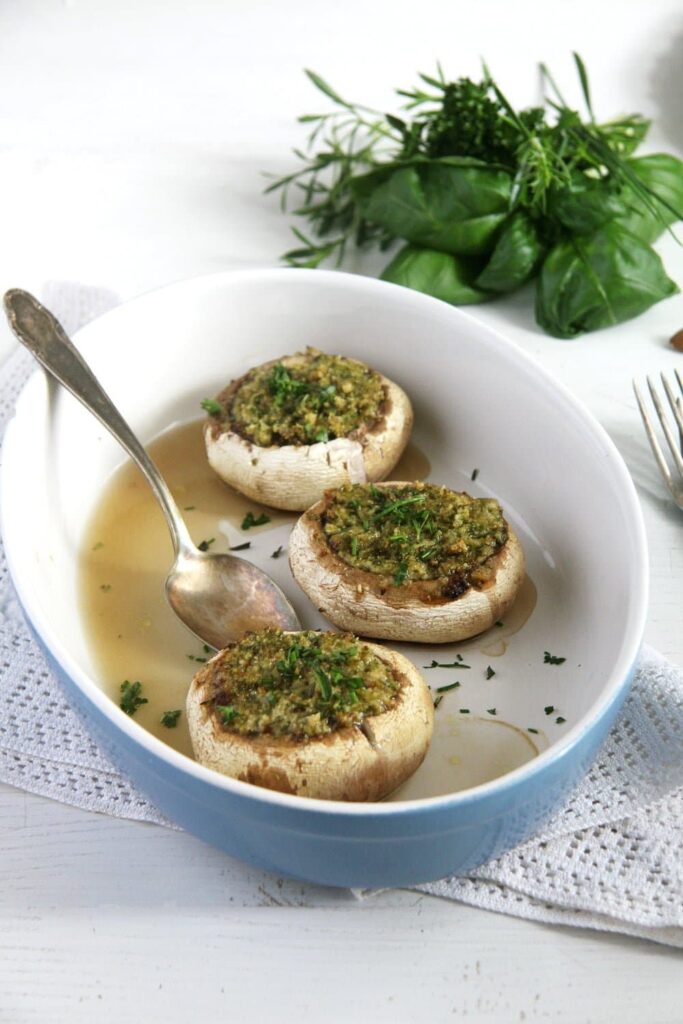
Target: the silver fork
(674, 481)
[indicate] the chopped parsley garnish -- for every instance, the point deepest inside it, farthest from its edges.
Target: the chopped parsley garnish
(400, 574)
(560, 720)
(96, 547)
(241, 547)
(277, 552)
(552, 659)
(437, 700)
(426, 530)
(251, 520)
(464, 711)
(170, 718)
(489, 672)
(491, 711)
(450, 686)
(306, 684)
(549, 709)
(227, 712)
(189, 508)
(475, 474)
(530, 729)
(196, 657)
(106, 587)
(312, 398)
(130, 697)
(499, 624)
(448, 664)
(206, 544)
(211, 406)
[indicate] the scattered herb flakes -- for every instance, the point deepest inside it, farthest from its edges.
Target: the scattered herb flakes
(241, 547)
(530, 729)
(450, 686)
(207, 649)
(211, 406)
(130, 697)
(106, 587)
(489, 672)
(560, 720)
(170, 718)
(206, 544)
(437, 701)
(251, 520)
(491, 711)
(464, 711)
(447, 664)
(277, 552)
(552, 659)
(189, 508)
(227, 712)
(198, 657)
(475, 474)
(96, 547)
(549, 709)
(499, 624)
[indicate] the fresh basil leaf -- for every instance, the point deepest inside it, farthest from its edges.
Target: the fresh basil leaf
(441, 205)
(516, 255)
(586, 205)
(663, 175)
(598, 280)
(440, 274)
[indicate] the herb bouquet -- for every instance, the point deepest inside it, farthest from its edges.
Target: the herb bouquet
(487, 198)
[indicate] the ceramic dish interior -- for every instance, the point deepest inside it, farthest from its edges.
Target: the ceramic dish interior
(480, 403)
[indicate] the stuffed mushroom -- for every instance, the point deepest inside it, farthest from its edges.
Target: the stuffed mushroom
(407, 561)
(289, 429)
(317, 714)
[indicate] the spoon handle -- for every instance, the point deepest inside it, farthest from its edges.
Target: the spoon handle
(46, 339)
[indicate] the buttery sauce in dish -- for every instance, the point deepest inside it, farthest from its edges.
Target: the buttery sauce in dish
(135, 637)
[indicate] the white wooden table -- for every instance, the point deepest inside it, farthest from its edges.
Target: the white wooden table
(132, 139)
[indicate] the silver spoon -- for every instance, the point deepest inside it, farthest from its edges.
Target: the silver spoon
(219, 597)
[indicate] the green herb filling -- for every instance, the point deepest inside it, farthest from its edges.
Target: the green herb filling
(414, 533)
(307, 399)
(302, 685)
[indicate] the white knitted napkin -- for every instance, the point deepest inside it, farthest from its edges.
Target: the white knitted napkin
(611, 859)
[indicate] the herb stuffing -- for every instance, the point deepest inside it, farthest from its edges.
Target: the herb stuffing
(415, 533)
(486, 197)
(303, 685)
(305, 399)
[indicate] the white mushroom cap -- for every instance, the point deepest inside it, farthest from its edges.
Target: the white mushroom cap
(371, 605)
(360, 763)
(294, 476)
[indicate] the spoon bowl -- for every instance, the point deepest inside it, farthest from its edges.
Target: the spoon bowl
(219, 597)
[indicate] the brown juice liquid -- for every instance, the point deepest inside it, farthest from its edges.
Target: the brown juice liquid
(126, 555)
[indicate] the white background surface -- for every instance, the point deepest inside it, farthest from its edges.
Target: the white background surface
(132, 140)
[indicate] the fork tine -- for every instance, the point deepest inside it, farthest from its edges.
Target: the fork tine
(678, 378)
(654, 443)
(671, 441)
(675, 404)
